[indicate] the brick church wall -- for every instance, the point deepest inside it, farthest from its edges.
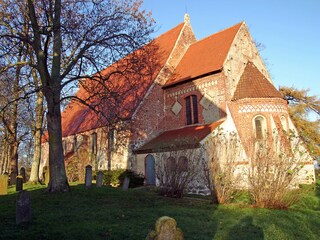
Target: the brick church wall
(210, 93)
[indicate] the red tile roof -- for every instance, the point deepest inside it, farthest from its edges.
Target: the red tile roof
(204, 56)
(253, 84)
(187, 137)
(77, 118)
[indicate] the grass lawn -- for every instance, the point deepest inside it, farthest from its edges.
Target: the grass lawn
(109, 213)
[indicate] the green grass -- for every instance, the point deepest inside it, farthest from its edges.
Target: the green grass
(109, 213)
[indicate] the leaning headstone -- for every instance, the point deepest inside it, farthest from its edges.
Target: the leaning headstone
(19, 183)
(23, 207)
(126, 183)
(23, 174)
(88, 179)
(4, 184)
(99, 179)
(166, 229)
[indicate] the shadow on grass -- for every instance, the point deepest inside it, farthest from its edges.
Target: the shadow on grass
(245, 229)
(102, 213)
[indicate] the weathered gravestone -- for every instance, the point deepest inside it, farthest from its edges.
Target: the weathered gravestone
(88, 179)
(166, 229)
(23, 207)
(19, 183)
(23, 174)
(126, 183)
(4, 184)
(99, 179)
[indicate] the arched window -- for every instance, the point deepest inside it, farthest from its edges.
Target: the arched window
(94, 143)
(171, 164)
(183, 164)
(192, 109)
(260, 127)
(284, 123)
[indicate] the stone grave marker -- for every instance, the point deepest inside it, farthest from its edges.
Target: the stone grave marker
(88, 179)
(13, 178)
(23, 207)
(4, 184)
(99, 179)
(166, 229)
(23, 174)
(19, 183)
(126, 183)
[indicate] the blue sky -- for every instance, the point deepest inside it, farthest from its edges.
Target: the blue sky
(289, 30)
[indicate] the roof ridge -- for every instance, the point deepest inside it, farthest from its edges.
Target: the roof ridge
(166, 32)
(217, 44)
(220, 31)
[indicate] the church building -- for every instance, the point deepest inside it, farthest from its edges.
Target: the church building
(187, 92)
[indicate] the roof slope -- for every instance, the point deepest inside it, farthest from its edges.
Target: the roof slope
(253, 84)
(204, 56)
(187, 137)
(123, 81)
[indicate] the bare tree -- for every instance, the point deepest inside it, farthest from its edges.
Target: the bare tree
(275, 171)
(222, 165)
(71, 39)
(176, 170)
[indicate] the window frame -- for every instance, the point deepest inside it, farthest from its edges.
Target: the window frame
(94, 143)
(192, 112)
(263, 127)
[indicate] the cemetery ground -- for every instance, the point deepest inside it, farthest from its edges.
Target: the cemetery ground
(112, 213)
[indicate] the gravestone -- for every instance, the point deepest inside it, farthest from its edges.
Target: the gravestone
(4, 184)
(166, 229)
(126, 183)
(19, 183)
(23, 174)
(23, 207)
(99, 179)
(88, 179)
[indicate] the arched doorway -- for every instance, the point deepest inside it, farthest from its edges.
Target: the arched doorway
(150, 170)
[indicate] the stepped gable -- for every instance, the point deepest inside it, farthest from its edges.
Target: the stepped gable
(77, 118)
(253, 84)
(182, 138)
(205, 56)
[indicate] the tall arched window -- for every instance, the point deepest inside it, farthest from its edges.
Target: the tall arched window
(171, 164)
(260, 127)
(94, 143)
(192, 109)
(284, 123)
(183, 164)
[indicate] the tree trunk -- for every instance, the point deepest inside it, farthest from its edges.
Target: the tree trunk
(58, 179)
(13, 126)
(13, 153)
(4, 157)
(51, 85)
(34, 175)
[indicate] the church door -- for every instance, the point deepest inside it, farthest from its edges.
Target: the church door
(150, 170)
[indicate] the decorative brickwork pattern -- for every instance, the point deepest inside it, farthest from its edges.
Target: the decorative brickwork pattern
(262, 108)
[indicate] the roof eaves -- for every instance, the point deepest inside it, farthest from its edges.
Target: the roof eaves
(167, 148)
(191, 79)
